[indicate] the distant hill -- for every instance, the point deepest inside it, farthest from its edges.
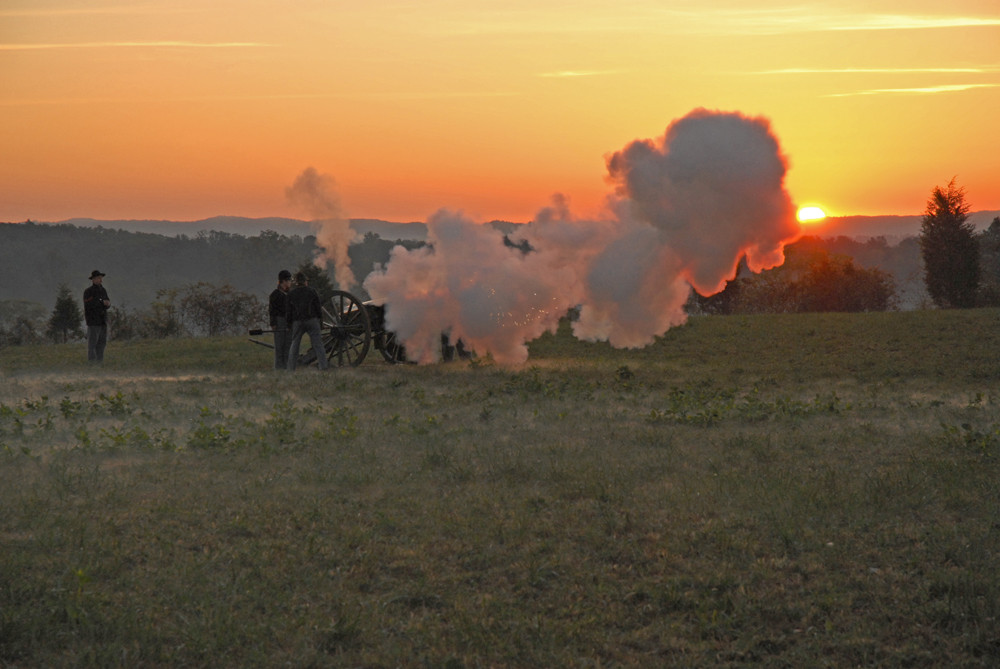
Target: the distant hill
(144, 257)
(893, 228)
(248, 227)
(138, 265)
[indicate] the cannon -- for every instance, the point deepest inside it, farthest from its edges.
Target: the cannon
(351, 328)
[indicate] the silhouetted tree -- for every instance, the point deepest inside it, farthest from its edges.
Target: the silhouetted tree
(835, 283)
(66, 318)
(12, 310)
(217, 310)
(811, 279)
(722, 303)
(950, 249)
(23, 331)
(164, 319)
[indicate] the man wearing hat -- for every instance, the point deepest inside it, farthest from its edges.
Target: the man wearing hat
(95, 312)
(277, 312)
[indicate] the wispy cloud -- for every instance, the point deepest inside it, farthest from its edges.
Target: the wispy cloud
(95, 11)
(569, 74)
(134, 45)
(800, 19)
(880, 70)
(909, 22)
(653, 17)
(926, 90)
(383, 96)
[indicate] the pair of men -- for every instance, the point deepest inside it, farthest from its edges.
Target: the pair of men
(292, 313)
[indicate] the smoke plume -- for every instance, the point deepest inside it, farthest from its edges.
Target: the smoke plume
(685, 208)
(316, 194)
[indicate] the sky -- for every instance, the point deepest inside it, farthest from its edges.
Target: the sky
(187, 109)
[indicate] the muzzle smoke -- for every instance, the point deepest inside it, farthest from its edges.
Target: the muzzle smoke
(685, 208)
(316, 194)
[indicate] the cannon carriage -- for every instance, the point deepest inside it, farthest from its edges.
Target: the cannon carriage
(351, 328)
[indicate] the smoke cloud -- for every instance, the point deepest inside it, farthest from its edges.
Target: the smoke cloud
(685, 208)
(316, 194)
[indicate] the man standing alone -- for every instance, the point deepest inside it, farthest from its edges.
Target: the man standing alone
(304, 314)
(95, 312)
(278, 318)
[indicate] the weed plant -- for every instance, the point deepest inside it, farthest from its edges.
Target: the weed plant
(812, 490)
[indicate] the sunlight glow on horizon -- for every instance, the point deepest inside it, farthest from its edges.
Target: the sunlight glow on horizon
(810, 214)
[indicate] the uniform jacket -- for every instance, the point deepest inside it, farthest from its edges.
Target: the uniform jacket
(94, 311)
(277, 307)
(303, 304)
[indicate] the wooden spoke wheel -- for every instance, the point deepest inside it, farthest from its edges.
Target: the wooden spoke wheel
(392, 349)
(347, 330)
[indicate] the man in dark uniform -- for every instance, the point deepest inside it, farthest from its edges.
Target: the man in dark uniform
(278, 318)
(95, 312)
(304, 314)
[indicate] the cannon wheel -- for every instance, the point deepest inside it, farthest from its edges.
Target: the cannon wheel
(392, 349)
(348, 328)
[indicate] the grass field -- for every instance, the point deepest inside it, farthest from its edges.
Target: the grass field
(773, 491)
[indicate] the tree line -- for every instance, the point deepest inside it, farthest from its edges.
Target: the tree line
(140, 264)
(959, 267)
(209, 284)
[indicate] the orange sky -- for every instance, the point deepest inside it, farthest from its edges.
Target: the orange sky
(185, 109)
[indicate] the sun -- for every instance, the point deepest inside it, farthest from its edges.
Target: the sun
(810, 215)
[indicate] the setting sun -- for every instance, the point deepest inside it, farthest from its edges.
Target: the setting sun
(810, 215)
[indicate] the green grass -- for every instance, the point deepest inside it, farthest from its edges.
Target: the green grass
(775, 491)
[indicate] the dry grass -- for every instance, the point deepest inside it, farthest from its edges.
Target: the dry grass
(773, 491)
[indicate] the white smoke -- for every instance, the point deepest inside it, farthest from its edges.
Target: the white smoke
(316, 194)
(686, 207)
(469, 284)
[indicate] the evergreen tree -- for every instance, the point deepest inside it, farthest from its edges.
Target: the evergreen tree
(950, 249)
(66, 318)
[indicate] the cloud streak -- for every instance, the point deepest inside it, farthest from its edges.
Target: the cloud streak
(387, 96)
(880, 70)
(910, 22)
(651, 17)
(141, 10)
(572, 74)
(923, 90)
(135, 45)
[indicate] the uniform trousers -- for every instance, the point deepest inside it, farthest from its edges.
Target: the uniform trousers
(97, 339)
(312, 327)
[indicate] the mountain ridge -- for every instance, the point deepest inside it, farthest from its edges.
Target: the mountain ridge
(893, 227)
